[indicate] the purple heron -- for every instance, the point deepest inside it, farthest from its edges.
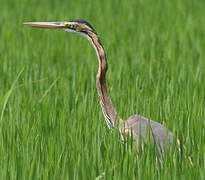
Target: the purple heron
(136, 125)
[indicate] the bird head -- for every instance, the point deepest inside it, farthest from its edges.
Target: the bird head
(77, 26)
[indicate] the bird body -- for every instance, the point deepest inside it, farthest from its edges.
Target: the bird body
(136, 125)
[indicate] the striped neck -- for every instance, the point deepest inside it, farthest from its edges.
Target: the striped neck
(108, 109)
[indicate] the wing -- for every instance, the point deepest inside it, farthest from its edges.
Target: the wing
(138, 126)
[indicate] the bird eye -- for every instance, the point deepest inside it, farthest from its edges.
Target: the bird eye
(72, 26)
(68, 25)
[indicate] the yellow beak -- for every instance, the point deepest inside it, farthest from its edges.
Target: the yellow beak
(48, 25)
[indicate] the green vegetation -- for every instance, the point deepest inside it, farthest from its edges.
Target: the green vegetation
(51, 124)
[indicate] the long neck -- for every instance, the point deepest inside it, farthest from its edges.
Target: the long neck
(108, 109)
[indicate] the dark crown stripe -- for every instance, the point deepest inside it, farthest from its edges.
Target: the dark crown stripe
(84, 22)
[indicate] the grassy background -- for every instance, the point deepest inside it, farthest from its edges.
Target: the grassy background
(51, 125)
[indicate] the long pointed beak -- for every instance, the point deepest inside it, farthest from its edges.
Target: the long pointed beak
(48, 25)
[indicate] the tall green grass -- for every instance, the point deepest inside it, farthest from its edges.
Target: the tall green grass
(51, 125)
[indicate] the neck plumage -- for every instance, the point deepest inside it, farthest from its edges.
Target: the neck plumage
(108, 109)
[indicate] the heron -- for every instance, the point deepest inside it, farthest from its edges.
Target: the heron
(135, 126)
